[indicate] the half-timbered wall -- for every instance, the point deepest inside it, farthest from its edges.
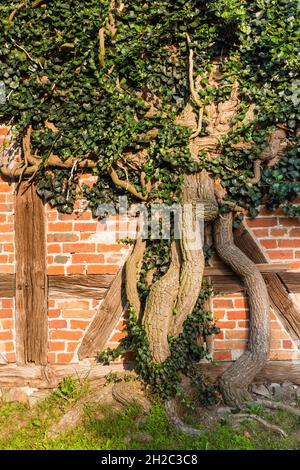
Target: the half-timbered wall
(61, 295)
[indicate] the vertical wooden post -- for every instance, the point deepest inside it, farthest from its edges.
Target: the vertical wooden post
(31, 280)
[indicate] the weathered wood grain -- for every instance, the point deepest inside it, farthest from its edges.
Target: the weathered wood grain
(7, 285)
(274, 371)
(80, 286)
(31, 280)
(12, 375)
(106, 318)
(278, 293)
(291, 280)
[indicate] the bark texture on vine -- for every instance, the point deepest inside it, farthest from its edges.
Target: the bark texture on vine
(159, 309)
(198, 205)
(236, 379)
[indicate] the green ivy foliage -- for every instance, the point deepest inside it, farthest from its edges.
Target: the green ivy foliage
(51, 67)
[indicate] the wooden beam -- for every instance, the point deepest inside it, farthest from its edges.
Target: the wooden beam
(262, 267)
(278, 293)
(106, 319)
(7, 285)
(80, 286)
(31, 280)
(274, 371)
(291, 280)
(12, 375)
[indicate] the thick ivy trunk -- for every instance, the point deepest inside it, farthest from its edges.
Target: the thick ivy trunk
(160, 307)
(173, 297)
(236, 379)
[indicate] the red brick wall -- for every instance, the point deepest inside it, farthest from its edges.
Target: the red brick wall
(79, 244)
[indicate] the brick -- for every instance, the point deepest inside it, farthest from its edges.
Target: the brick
(222, 356)
(56, 345)
(7, 269)
(8, 247)
(118, 336)
(6, 335)
(225, 324)
(287, 344)
(71, 346)
(289, 222)
(289, 243)
(295, 232)
(6, 237)
(279, 334)
(230, 344)
(275, 325)
(53, 313)
(58, 324)
(4, 131)
(241, 303)
(7, 303)
(76, 269)
(281, 254)
(66, 217)
(220, 335)
(7, 324)
(60, 227)
(64, 358)
(237, 315)
(11, 357)
(102, 248)
(65, 334)
(51, 216)
(87, 258)
(79, 248)
(222, 303)
(77, 313)
(269, 243)
(55, 270)
(5, 313)
(259, 233)
(262, 222)
(62, 237)
(54, 248)
(79, 324)
(281, 355)
(296, 264)
(86, 226)
(7, 346)
(276, 344)
(61, 259)
(219, 314)
(51, 358)
(80, 304)
(236, 334)
(278, 232)
(243, 324)
(103, 269)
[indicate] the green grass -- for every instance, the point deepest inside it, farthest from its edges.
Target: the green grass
(103, 428)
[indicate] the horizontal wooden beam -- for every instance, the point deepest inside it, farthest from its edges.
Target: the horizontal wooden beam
(80, 286)
(274, 371)
(12, 375)
(49, 376)
(7, 285)
(95, 285)
(264, 268)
